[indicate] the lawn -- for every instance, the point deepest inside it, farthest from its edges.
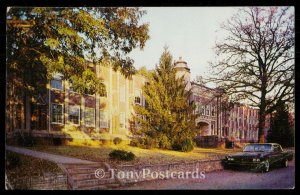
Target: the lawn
(20, 166)
(143, 156)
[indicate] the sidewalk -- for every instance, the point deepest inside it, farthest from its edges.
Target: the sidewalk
(46, 156)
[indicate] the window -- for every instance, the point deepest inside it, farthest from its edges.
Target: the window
(277, 148)
(202, 110)
(89, 116)
(122, 93)
(280, 148)
(103, 119)
(57, 113)
(213, 111)
(56, 84)
(197, 109)
(74, 114)
(207, 110)
(122, 120)
(137, 98)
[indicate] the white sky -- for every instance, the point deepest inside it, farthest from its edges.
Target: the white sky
(189, 32)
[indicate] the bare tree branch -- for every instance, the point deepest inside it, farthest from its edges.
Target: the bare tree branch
(255, 61)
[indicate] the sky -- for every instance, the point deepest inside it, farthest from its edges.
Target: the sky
(189, 32)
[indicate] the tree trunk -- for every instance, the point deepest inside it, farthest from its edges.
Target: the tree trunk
(262, 106)
(261, 128)
(9, 110)
(261, 122)
(28, 113)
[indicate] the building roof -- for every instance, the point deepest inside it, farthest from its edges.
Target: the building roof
(181, 64)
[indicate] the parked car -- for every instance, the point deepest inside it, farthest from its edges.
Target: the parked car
(259, 157)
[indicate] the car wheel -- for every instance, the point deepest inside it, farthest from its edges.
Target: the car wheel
(285, 163)
(266, 166)
(225, 166)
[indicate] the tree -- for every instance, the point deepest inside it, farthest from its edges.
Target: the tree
(167, 121)
(43, 41)
(281, 128)
(255, 62)
(143, 71)
(50, 40)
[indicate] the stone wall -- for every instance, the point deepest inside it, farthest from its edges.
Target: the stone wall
(136, 173)
(46, 182)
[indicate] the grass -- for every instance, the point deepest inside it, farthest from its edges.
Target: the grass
(83, 147)
(27, 167)
(143, 156)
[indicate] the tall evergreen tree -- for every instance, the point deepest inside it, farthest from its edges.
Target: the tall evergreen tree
(167, 121)
(281, 127)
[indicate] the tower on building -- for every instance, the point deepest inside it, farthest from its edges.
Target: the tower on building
(183, 70)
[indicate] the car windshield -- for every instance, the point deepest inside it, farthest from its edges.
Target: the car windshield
(258, 148)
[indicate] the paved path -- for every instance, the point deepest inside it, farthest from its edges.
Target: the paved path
(277, 178)
(46, 156)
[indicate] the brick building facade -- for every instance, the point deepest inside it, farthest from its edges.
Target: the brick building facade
(109, 116)
(217, 117)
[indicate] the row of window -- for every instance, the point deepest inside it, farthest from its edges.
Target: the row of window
(206, 110)
(235, 114)
(57, 84)
(243, 134)
(74, 116)
(250, 120)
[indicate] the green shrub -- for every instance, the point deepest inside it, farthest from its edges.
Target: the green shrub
(70, 128)
(186, 145)
(164, 142)
(105, 141)
(117, 140)
(12, 160)
(145, 143)
(135, 142)
(86, 143)
(121, 155)
(150, 142)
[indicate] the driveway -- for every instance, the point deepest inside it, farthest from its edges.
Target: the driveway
(277, 178)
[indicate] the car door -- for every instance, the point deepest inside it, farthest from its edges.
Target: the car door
(281, 154)
(277, 154)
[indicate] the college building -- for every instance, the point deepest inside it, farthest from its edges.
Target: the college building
(218, 117)
(60, 109)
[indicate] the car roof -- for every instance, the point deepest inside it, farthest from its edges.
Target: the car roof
(264, 143)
